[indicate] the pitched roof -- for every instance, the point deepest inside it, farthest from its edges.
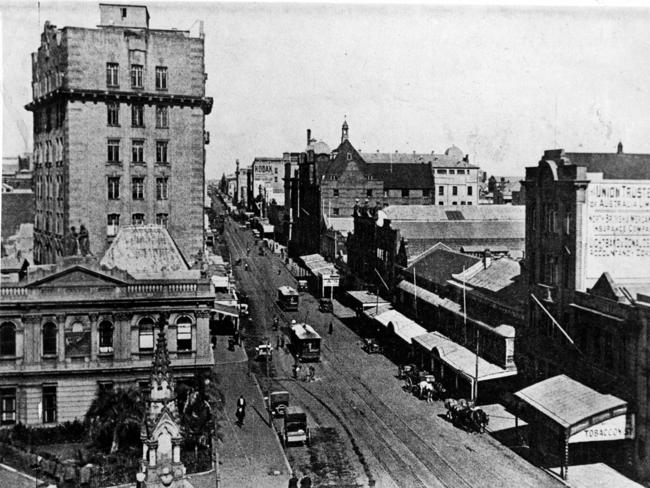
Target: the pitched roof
(439, 265)
(147, 252)
(500, 274)
(614, 166)
(426, 213)
(406, 176)
(566, 401)
(338, 165)
(462, 230)
(436, 160)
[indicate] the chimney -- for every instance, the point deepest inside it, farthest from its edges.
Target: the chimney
(487, 258)
(308, 136)
(619, 149)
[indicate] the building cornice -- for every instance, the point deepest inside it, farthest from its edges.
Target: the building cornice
(103, 96)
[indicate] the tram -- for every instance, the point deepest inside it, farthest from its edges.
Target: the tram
(305, 342)
(288, 298)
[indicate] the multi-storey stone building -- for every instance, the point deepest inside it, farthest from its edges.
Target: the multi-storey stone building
(119, 116)
(72, 328)
(588, 273)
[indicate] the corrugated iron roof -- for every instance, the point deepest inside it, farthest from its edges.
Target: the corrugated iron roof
(430, 213)
(567, 401)
(460, 358)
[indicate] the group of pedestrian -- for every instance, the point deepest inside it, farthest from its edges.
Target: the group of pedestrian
(305, 481)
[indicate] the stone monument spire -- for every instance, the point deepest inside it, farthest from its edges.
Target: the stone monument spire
(161, 437)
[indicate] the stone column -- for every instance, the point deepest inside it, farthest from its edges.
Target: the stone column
(153, 448)
(202, 334)
(122, 335)
(94, 336)
(176, 450)
(60, 342)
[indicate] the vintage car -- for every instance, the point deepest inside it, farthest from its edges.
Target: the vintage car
(264, 352)
(325, 305)
(278, 402)
(302, 285)
(295, 427)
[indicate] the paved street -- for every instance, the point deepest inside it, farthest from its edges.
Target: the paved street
(366, 430)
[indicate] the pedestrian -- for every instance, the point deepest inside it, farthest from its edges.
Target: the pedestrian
(312, 373)
(236, 338)
(293, 481)
(331, 328)
(277, 343)
(241, 402)
(282, 342)
(240, 414)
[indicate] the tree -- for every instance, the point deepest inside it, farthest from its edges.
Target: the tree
(115, 415)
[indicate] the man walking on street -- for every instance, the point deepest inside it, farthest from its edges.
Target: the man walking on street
(241, 402)
(331, 328)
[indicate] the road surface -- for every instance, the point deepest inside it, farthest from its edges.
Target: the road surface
(367, 431)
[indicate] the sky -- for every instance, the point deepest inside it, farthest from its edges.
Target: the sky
(502, 83)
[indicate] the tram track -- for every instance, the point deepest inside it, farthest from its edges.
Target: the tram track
(376, 431)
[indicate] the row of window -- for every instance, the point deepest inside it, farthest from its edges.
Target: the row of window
(49, 151)
(113, 221)
(406, 192)
(49, 118)
(45, 222)
(137, 115)
(136, 75)
(48, 187)
(49, 333)
(550, 219)
(137, 151)
(8, 405)
(451, 171)
(138, 188)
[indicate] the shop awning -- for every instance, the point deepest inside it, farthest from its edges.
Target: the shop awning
(400, 325)
(366, 299)
(316, 264)
(570, 404)
(460, 358)
(428, 296)
(230, 310)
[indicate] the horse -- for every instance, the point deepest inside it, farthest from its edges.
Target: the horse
(480, 419)
(424, 390)
(452, 407)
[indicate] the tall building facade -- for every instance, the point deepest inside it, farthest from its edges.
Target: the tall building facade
(588, 272)
(119, 118)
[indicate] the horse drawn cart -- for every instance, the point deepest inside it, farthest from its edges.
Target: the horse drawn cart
(466, 415)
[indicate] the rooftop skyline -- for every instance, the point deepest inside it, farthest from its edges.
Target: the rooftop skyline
(501, 83)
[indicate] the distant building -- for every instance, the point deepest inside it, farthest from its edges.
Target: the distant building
(74, 328)
(456, 180)
(17, 209)
(267, 185)
(119, 118)
(588, 275)
(391, 238)
(17, 172)
(502, 190)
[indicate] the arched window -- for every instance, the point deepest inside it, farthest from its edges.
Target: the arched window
(7, 339)
(184, 334)
(49, 339)
(146, 335)
(105, 337)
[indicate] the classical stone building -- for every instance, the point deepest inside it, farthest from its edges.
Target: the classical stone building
(588, 276)
(78, 326)
(119, 117)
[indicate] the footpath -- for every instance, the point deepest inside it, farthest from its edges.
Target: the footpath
(250, 456)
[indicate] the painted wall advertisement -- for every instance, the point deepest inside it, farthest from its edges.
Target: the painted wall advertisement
(618, 231)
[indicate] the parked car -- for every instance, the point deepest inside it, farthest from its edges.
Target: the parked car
(325, 305)
(278, 402)
(264, 352)
(295, 427)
